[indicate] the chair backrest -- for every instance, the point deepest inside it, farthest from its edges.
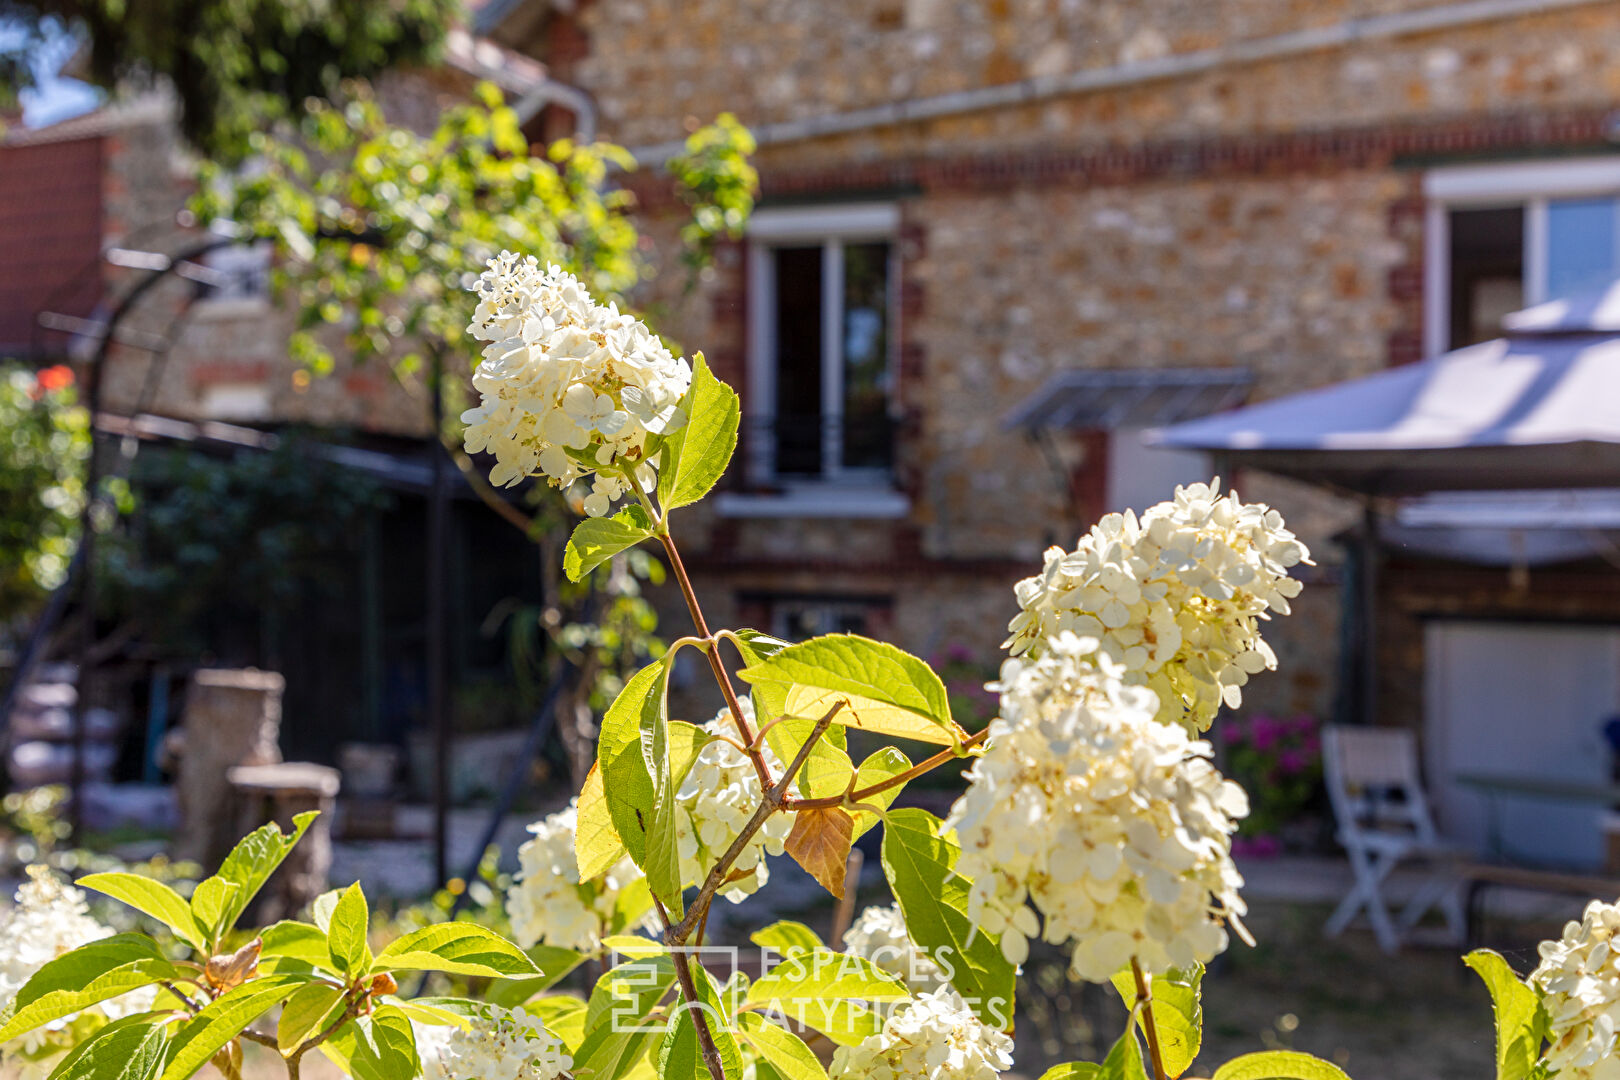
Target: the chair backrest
(1374, 783)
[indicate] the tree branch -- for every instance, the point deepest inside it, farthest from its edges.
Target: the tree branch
(862, 794)
(1144, 998)
(689, 995)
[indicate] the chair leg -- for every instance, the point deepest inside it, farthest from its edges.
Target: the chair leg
(1431, 893)
(1369, 875)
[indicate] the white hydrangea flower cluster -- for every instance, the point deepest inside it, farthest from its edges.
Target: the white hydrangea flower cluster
(879, 934)
(1579, 977)
(568, 387)
(499, 1044)
(934, 1036)
(1176, 596)
(547, 902)
(51, 918)
(713, 803)
(1115, 826)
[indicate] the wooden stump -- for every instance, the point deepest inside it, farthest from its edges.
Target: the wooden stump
(278, 793)
(232, 717)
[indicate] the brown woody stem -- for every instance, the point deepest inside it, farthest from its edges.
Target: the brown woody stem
(689, 995)
(1144, 999)
(861, 794)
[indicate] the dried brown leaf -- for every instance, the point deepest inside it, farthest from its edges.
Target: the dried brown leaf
(820, 843)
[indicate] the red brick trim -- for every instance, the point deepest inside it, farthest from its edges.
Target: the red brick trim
(1001, 569)
(1405, 283)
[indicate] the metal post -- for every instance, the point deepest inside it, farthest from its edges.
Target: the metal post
(1369, 613)
(438, 710)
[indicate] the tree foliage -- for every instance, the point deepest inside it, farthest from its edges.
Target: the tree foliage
(45, 443)
(233, 62)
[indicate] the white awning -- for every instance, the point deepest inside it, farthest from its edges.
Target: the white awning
(1533, 411)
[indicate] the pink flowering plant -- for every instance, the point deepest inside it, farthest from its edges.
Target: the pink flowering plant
(1094, 817)
(1278, 760)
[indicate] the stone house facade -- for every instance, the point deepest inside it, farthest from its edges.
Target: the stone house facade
(1151, 203)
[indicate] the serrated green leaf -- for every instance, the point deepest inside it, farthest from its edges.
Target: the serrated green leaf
(609, 1054)
(597, 540)
(150, 898)
(293, 942)
(1520, 1021)
(627, 782)
(884, 689)
(630, 907)
(553, 964)
(223, 1019)
(128, 1049)
(844, 1022)
(1279, 1065)
(1124, 1061)
(1073, 1070)
(1178, 1014)
(306, 1013)
(211, 902)
(461, 948)
(254, 858)
(786, 937)
(884, 764)
(823, 973)
(678, 1055)
(321, 908)
(921, 868)
(83, 977)
(625, 995)
(696, 456)
(785, 1051)
(440, 1012)
(597, 847)
(346, 934)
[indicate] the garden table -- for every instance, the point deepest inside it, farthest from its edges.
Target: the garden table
(1495, 785)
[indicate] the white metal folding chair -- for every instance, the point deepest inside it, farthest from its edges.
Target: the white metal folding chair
(1383, 819)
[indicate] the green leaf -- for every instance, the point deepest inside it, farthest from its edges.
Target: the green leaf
(563, 1016)
(224, 1018)
(383, 1046)
(597, 847)
(346, 935)
(885, 689)
(442, 1012)
(553, 964)
(821, 973)
(597, 540)
(678, 1055)
(150, 898)
(89, 974)
(1072, 1070)
(627, 782)
(295, 943)
(1178, 1015)
(306, 1013)
(627, 993)
(786, 937)
(696, 456)
(461, 948)
(785, 1051)
(827, 770)
(127, 1049)
(884, 764)
(844, 1022)
(211, 902)
(255, 858)
(607, 1054)
(322, 907)
(1520, 1020)
(1279, 1065)
(921, 868)
(1124, 1061)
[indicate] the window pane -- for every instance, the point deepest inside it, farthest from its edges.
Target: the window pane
(1487, 272)
(868, 443)
(798, 359)
(1580, 245)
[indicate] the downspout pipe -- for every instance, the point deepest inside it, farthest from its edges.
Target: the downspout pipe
(1119, 76)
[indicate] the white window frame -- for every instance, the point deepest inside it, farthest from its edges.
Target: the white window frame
(832, 227)
(1531, 184)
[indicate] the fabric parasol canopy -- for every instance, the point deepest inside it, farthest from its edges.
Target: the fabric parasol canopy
(1538, 408)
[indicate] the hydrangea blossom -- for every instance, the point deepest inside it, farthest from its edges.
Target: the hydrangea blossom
(879, 934)
(934, 1036)
(51, 918)
(498, 1044)
(548, 903)
(1114, 826)
(568, 387)
(1579, 977)
(1175, 596)
(713, 803)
